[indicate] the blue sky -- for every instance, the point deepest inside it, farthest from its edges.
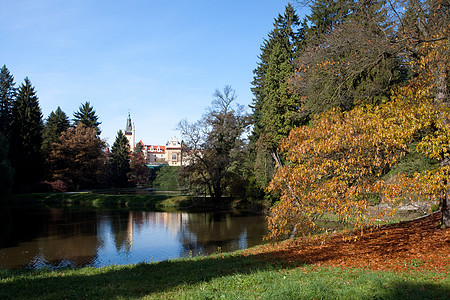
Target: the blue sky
(159, 60)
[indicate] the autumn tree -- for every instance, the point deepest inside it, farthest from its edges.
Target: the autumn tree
(336, 164)
(86, 115)
(356, 58)
(139, 172)
(26, 137)
(7, 96)
(211, 144)
(78, 159)
(120, 161)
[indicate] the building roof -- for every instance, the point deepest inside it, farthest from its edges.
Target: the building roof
(129, 126)
(155, 148)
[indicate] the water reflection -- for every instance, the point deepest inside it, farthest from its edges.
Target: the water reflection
(58, 237)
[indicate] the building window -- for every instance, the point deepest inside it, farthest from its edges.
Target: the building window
(174, 157)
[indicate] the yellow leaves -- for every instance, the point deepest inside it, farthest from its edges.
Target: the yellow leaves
(337, 163)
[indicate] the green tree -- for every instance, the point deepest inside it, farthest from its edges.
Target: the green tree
(6, 171)
(57, 122)
(120, 161)
(211, 144)
(26, 137)
(326, 15)
(275, 106)
(79, 158)
(7, 95)
(86, 115)
(351, 56)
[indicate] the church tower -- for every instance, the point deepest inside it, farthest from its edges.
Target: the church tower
(130, 133)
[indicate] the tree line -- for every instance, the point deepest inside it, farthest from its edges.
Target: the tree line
(341, 99)
(58, 154)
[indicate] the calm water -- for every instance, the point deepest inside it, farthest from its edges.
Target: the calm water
(59, 237)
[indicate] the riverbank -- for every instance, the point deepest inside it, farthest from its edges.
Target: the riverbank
(134, 198)
(99, 200)
(408, 260)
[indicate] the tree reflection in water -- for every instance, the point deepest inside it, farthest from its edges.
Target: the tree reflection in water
(58, 237)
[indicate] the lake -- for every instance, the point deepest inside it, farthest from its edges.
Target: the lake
(76, 237)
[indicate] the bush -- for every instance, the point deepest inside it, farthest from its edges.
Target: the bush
(54, 186)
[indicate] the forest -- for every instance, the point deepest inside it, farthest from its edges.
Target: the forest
(350, 109)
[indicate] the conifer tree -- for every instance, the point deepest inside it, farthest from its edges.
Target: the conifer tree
(86, 115)
(275, 107)
(120, 161)
(6, 171)
(7, 95)
(26, 137)
(57, 122)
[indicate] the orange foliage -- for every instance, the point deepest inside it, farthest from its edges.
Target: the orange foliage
(336, 164)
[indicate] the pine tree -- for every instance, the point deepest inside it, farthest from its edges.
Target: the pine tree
(86, 115)
(7, 95)
(326, 15)
(6, 171)
(26, 137)
(57, 122)
(275, 106)
(120, 161)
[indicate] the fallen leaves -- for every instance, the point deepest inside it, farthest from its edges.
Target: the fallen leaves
(419, 245)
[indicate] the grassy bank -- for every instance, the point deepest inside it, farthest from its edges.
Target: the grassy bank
(92, 199)
(223, 276)
(160, 200)
(402, 261)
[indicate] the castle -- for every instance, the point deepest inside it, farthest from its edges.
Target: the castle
(170, 154)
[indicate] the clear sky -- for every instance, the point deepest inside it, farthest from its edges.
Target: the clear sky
(159, 60)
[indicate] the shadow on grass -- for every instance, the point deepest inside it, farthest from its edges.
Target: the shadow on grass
(416, 291)
(146, 279)
(125, 281)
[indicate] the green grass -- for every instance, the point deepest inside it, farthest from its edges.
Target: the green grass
(99, 200)
(222, 276)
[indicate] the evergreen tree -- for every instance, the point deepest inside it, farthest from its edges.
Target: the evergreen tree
(86, 115)
(275, 106)
(326, 15)
(6, 171)
(57, 122)
(26, 137)
(7, 95)
(120, 161)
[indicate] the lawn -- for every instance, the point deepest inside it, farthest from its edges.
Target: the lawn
(153, 200)
(408, 260)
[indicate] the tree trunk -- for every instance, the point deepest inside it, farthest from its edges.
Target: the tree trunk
(445, 209)
(441, 85)
(445, 199)
(276, 157)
